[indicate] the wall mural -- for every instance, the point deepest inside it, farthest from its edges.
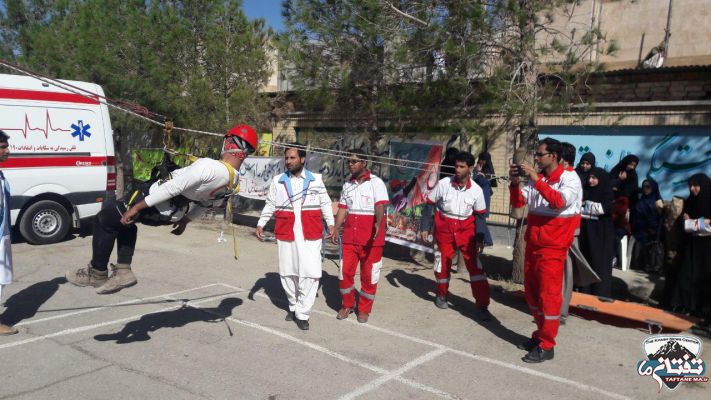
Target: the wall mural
(669, 155)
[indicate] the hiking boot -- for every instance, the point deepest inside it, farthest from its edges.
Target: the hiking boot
(538, 355)
(289, 316)
(343, 313)
(441, 302)
(88, 276)
(363, 318)
(483, 314)
(7, 330)
(121, 278)
(528, 345)
(303, 324)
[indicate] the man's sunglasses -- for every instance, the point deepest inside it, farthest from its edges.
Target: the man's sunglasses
(537, 154)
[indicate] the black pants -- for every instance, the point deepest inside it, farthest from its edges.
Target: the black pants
(107, 230)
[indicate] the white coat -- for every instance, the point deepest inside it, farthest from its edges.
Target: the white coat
(298, 257)
(5, 251)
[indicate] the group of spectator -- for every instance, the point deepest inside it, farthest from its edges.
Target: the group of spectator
(655, 228)
(617, 209)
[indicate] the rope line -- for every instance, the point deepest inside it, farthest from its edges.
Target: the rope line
(118, 104)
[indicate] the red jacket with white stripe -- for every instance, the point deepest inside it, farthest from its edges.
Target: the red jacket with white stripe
(553, 208)
(456, 206)
(360, 199)
(315, 206)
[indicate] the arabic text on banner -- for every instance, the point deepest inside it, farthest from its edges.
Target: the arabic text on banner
(256, 175)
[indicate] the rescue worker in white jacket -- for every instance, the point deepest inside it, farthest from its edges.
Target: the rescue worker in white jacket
(299, 202)
(175, 201)
(5, 251)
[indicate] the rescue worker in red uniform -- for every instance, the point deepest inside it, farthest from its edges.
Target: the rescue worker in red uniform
(458, 200)
(553, 215)
(362, 207)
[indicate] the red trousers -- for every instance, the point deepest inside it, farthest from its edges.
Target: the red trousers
(543, 283)
(479, 284)
(370, 259)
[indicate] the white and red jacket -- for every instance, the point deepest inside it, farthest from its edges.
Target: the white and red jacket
(456, 206)
(203, 182)
(314, 203)
(360, 199)
(553, 208)
(578, 200)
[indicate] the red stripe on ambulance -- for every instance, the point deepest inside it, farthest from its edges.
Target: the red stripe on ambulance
(18, 94)
(53, 161)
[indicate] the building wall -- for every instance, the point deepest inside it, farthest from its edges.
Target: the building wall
(634, 111)
(627, 22)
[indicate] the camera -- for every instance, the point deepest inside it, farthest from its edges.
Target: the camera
(520, 171)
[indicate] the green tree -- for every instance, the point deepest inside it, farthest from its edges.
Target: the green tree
(200, 62)
(488, 67)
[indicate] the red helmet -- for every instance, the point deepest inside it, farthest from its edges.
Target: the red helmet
(243, 137)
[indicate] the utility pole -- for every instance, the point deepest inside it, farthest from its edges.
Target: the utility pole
(667, 34)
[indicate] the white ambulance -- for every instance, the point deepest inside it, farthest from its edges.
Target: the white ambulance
(61, 165)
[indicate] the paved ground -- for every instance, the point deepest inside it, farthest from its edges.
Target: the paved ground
(201, 325)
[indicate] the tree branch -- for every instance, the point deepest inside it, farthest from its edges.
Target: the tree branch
(406, 15)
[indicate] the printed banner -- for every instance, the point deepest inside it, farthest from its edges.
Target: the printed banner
(256, 175)
(265, 149)
(145, 159)
(408, 185)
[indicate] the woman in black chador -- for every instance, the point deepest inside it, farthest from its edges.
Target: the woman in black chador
(693, 286)
(597, 233)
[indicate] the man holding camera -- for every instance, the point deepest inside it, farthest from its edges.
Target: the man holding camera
(551, 194)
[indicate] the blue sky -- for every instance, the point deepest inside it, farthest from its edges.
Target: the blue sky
(270, 10)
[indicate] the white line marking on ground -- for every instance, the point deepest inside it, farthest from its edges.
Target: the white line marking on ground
(338, 356)
(540, 374)
(372, 385)
(101, 324)
(514, 367)
(127, 302)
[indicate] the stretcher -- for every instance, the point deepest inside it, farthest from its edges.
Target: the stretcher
(629, 314)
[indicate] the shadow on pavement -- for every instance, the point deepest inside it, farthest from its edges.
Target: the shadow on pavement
(498, 268)
(138, 331)
(424, 288)
(329, 288)
(271, 283)
(25, 303)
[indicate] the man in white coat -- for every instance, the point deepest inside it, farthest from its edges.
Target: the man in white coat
(299, 202)
(5, 251)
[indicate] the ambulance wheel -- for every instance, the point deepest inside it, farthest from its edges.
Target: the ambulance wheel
(45, 222)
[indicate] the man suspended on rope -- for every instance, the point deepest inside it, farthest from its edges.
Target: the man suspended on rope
(174, 201)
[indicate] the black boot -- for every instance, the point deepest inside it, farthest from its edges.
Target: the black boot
(528, 345)
(303, 324)
(538, 355)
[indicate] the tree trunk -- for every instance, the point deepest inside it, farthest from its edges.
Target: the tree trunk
(519, 250)
(528, 129)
